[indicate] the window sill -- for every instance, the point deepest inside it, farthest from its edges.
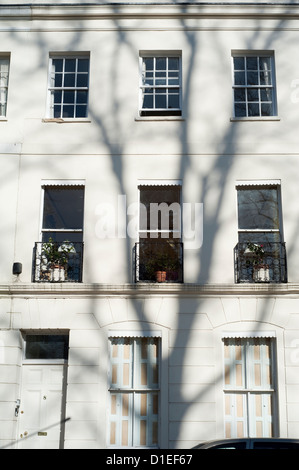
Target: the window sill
(3, 119)
(159, 118)
(255, 118)
(67, 120)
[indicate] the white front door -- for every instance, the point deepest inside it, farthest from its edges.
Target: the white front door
(41, 415)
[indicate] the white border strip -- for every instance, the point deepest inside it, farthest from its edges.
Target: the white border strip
(248, 334)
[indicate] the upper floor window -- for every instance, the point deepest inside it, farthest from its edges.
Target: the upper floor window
(4, 73)
(160, 85)
(253, 85)
(59, 254)
(159, 251)
(260, 252)
(68, 87)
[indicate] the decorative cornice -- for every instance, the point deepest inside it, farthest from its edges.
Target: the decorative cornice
(74, 290)
(54, 11)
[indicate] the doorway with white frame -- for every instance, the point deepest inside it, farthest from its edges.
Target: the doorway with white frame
(41, 415)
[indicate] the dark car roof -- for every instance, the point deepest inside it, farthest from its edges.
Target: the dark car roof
(250, 443)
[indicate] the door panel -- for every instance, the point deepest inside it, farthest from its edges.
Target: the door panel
(41, 417)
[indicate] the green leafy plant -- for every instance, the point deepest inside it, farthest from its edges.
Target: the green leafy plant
(257, 253)
(57, 253)
(160, 257)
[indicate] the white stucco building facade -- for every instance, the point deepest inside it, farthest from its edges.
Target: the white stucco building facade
(109, 110)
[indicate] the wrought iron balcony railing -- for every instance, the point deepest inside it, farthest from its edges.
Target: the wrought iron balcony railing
(260, 263)
(58, 261)
(158, 260)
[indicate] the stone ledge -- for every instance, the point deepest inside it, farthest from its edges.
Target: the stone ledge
(184, 290)
(131, 10)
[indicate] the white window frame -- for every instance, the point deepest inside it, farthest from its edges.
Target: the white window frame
(243, 395)
(259, 87)
(134, 391)
(46, 184)
(51, 88)
(259, 184)
(165, 233)
(164, 111)
(66, 184)
(54, 332)
(4, 83)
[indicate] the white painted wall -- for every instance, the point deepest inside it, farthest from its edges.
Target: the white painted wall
(111, 153)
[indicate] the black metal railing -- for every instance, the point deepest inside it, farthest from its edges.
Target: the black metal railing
(158, 261)
(57, 261)
(260, 263)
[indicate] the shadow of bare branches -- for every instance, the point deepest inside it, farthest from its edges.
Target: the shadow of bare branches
(204, 165)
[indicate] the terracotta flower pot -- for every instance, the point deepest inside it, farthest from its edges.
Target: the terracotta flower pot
(160, 276)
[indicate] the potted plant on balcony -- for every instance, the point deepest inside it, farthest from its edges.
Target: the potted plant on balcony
(55, 257)
(255, 254)
(164, 264)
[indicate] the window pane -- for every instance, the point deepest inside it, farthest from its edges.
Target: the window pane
(239, 63)
(148, 63)
(70, 65)
(82, 97)
(57, 96)
(4, 69)
(173, 63)
(81, 111)
(57, 111)
(160, 101)
(173, 78)
(253, 94)
(68, 111)
(3, 79)
(3, 95)
(252, 78)
(253, 109)
(69, 80)
(240, 109)
(82, 80)
(57, 65)
(239, 78)
(63, 208)
(153, 200)
(148, 101)
(266, 94)
(265, 78)
(161, 63)
(239, 94)
(173, 101)
(265, 63)
(266, 109)
(46, 347)
(69, 97)
(83, 65)
(2, 109)
(57, 80)
(251, 63)
(258, 208)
